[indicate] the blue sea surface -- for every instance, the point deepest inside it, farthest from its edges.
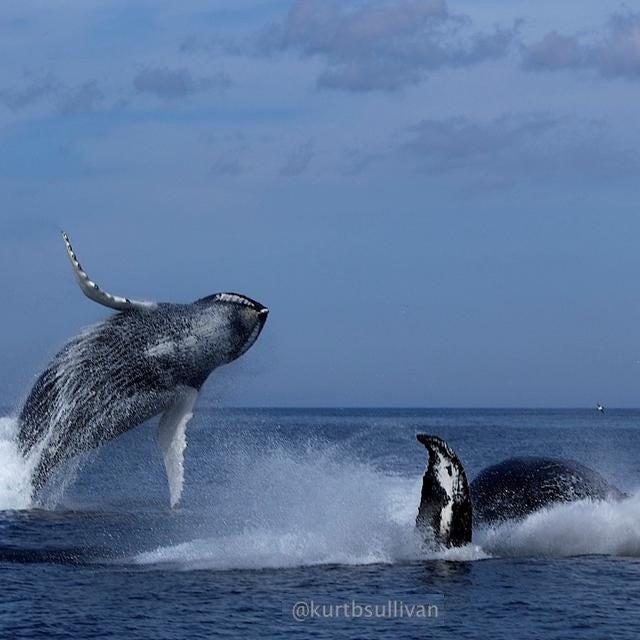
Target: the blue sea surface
(302, 513)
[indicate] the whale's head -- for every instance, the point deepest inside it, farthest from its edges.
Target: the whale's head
(234, 323)
(445, 505)
(211, 332)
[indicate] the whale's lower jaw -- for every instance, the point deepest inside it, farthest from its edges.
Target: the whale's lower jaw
(253, 336)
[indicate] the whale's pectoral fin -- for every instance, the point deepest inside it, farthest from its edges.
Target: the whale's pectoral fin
(173, 441)
(445, 512)
(94, 292)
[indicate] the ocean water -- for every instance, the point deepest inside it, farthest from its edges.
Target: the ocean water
(293, 522)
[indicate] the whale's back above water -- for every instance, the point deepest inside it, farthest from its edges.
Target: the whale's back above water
(516, 487)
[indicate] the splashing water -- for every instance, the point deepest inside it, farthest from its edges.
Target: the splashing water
(278, 504)
(15, 471)
(576, 528)
(284, 507)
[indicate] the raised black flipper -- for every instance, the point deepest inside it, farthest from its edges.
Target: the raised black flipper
(445, 511)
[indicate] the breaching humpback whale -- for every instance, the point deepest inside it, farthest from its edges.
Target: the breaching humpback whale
(147, 359)
(512, 489)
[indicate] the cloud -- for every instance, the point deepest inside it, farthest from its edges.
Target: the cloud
(34, 92)
(516, 148)
(372, 46)
(49, 89)
(298, 160)
(554, 51)
(225, 166)
(176, 83)
(455, 141)
(613, 52)
(84, 98)
(88, 96)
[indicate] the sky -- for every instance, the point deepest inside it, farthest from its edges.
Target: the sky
(438, 201)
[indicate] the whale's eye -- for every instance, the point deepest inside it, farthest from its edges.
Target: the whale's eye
(449, 469)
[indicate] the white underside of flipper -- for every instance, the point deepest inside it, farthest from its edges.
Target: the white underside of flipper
(172, 439)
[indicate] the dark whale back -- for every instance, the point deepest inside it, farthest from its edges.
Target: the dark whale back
(517, 487)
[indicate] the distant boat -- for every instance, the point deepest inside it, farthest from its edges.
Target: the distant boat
(600, 408)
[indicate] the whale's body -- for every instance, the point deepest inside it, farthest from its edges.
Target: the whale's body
(450, 507)
(516, 487)
(149, 358)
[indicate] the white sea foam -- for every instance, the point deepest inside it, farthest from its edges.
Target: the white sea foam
(15, 472)
(576, 528)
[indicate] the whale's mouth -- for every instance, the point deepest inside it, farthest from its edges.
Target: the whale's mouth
(236, 298)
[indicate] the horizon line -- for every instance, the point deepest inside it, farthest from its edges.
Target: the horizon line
(423, 408)
(10, 412)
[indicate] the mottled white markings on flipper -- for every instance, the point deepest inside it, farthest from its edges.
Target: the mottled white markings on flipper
(444, 473)
(173, 440)
(93, 291)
